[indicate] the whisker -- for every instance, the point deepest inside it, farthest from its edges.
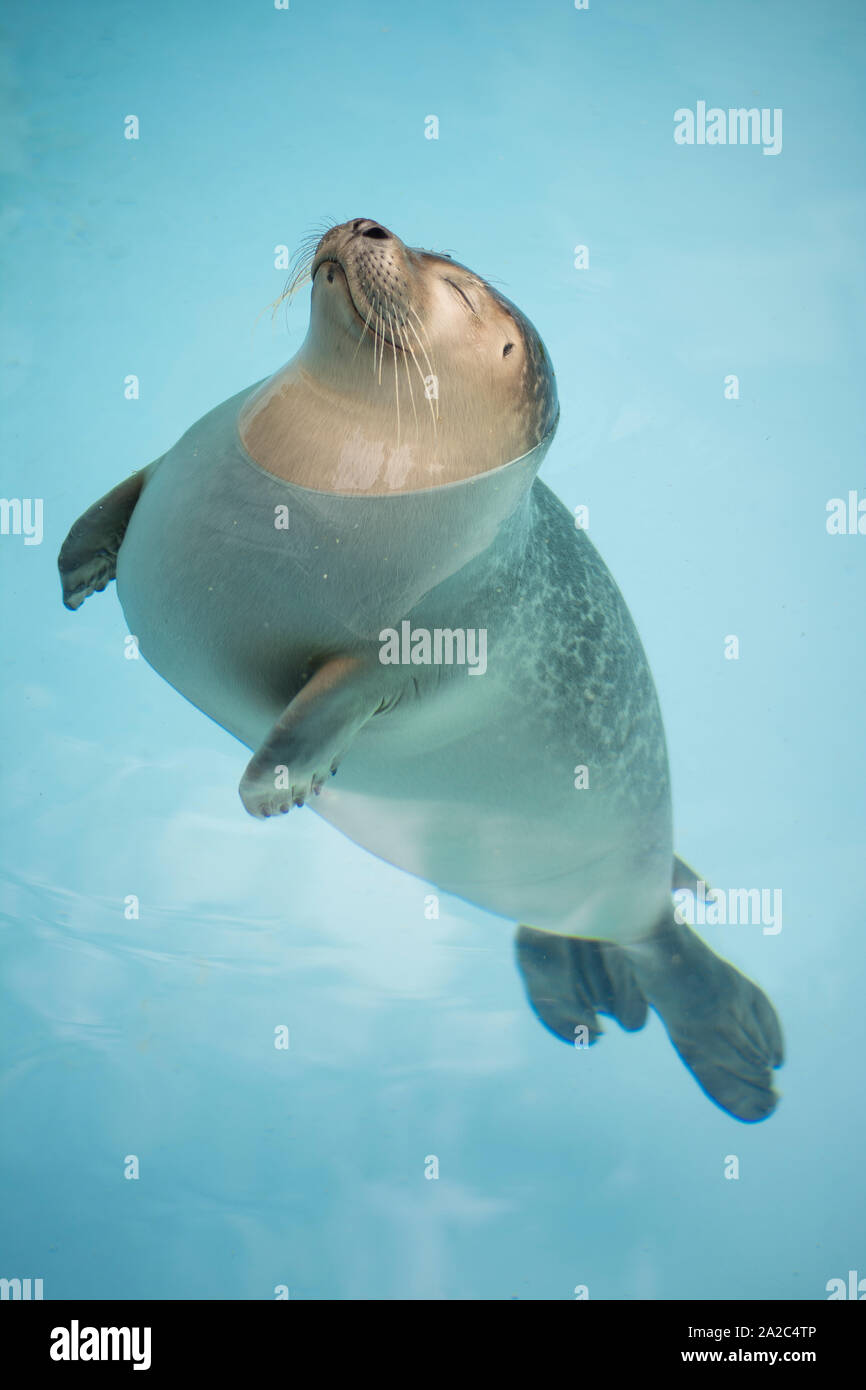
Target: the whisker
(382, 341)
(421, 324)
(375, 332)
(302, 261)
(363, 331)
(423, 382)
(299, 272)
(272, 307)
(408, 375)
(396, 378)
(429, 365)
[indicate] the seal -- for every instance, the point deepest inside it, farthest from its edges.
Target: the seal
(354, 565)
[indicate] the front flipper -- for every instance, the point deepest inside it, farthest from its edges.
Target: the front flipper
(88, 557)
(312, 734)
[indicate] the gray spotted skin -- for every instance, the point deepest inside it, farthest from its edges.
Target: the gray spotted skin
(595, 673)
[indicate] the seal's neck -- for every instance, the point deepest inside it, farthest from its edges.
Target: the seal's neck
(382, 554)
(363, 424)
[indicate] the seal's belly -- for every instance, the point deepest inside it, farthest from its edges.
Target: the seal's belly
(494, 817)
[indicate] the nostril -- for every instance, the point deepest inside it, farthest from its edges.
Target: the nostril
(376, 233)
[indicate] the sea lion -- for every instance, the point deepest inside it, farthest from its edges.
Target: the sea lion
(290, 566)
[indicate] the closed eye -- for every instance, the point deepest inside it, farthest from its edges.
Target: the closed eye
(456, 287)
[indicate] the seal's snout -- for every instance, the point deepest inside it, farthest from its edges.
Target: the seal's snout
(348, 241)
(374, 282)
(364, 226)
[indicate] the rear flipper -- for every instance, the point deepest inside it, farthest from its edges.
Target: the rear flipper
(570, 982)
(88, 557)
(721, 1024)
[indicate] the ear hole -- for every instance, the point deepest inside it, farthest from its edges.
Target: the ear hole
(507, 349)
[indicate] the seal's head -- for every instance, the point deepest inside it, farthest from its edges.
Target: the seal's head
(415, 372)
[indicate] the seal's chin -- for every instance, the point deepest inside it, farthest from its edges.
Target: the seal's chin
(333, 270)
(369, 318)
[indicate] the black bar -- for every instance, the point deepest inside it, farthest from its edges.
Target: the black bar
(226, 1338)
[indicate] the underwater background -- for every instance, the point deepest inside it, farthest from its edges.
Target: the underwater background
(265, 1170)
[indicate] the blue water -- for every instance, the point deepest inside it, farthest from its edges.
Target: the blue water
(154, 1037)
